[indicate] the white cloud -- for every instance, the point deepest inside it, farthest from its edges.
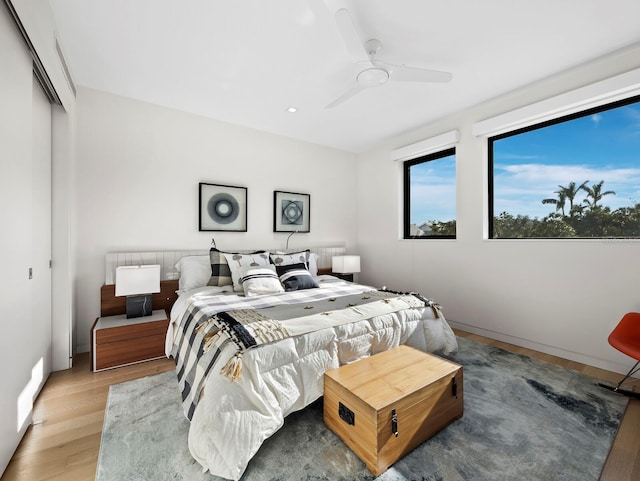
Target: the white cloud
(433, 202)
(541, 174)
(519, 189)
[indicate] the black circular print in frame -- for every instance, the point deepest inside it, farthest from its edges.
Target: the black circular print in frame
(223, 208)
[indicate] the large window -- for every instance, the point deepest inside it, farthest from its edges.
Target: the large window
(573, 177)
(430, 196)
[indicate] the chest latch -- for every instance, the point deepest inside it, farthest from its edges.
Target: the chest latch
(394, 422)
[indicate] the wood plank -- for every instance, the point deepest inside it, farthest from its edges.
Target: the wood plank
(110, 305)
(414, 385)
(623, 462)
(131, 350)
(132, 331)
(72, 403)
(80, 386)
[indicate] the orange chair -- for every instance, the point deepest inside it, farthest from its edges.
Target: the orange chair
(626, 338)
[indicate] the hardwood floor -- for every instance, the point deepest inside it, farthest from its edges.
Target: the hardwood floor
(71, 407)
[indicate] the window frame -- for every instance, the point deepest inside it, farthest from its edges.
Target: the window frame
(537, 126)
(406, 182)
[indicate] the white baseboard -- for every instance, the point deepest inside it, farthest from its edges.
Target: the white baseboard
(536, 346)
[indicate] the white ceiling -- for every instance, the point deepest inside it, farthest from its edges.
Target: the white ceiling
(246, 61)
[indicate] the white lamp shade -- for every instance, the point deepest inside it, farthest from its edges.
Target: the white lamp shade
(133, 280)
(345, 264)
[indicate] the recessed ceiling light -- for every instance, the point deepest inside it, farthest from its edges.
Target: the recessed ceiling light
(292, 110)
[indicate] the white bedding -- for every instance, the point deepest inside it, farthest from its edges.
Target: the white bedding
(233, 418)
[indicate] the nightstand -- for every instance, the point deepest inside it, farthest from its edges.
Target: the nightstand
(327, 271)
(117, 341)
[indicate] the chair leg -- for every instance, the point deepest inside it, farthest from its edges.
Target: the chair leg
(625, 392)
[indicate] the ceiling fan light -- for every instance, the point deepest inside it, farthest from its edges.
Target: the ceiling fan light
(372, 77)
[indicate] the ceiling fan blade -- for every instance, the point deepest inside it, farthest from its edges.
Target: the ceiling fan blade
(350, 36)
(400, 73)
(345, 96)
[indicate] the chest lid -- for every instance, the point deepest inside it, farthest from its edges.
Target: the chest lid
(392, 375)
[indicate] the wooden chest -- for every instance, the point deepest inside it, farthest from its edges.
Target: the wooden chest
(385, 406)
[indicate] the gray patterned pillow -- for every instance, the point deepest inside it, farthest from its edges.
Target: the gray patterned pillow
(239, 261)
(220, 271)
(286, 259)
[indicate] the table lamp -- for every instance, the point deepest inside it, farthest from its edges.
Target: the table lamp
(138, 283)
(345, 265)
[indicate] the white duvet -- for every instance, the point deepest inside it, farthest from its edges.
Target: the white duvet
(233, 418)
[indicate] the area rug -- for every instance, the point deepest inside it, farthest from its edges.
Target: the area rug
(524, 419)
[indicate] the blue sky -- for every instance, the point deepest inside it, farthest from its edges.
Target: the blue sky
(605, 146)
(433, 191)
(529, 167)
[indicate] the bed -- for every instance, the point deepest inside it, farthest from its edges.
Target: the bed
(246, 359)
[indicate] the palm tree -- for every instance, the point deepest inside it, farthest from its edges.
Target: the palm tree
(571, 191)
(596, 194)
(559, 202)
(566, 193)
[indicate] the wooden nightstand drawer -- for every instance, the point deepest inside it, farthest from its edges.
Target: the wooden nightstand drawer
(134, 331)
(117, 341)
(115, 354)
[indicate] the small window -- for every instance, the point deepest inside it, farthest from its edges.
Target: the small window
(430, 196)
(573, 177)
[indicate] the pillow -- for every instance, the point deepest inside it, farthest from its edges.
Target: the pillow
(237, 261)
(310, 260)
(313, 264)
(219, 272)
(295, 277)
(195, 271)
(257, 281)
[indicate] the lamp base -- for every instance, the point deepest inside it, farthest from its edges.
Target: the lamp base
(343, 276)
(139, 306)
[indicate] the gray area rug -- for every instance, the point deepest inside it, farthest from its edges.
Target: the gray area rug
(524, 420)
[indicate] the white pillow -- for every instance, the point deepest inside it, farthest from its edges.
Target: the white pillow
(195, 271)
(258, 281)
(239, 261)
(313, 264)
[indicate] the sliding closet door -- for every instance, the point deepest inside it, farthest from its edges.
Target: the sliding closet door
(25, 238)
(15, 222)
(41, 226)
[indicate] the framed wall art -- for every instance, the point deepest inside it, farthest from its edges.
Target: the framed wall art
(291, 212)
(223, 208)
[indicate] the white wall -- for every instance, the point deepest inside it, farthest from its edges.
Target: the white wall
(558, 296)
(139, 166)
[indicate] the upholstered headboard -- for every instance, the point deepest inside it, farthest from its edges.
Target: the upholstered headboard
(168, 260)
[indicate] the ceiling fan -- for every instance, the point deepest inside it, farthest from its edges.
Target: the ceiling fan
(376, 73)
